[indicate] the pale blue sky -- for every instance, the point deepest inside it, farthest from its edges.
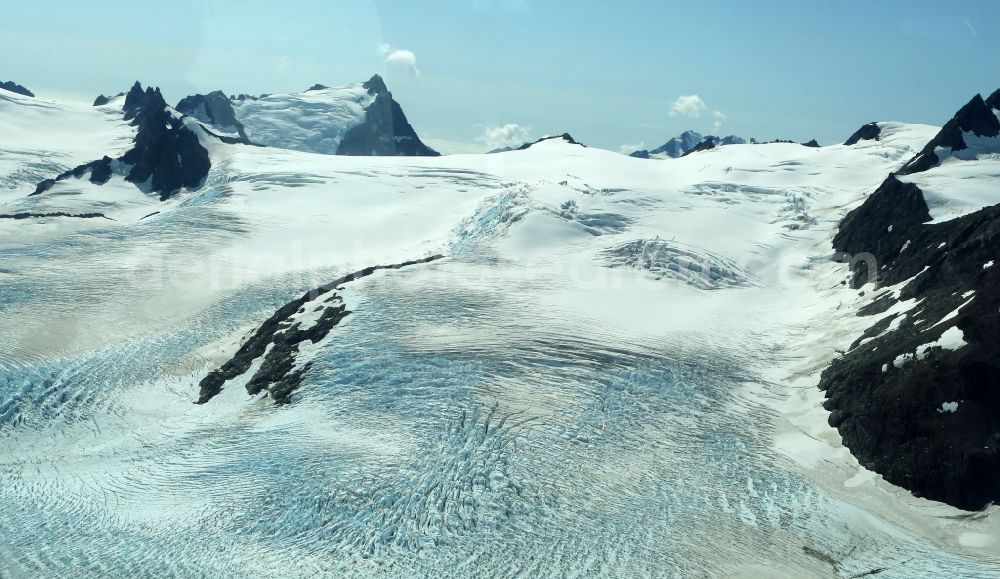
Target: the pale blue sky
(607, 73)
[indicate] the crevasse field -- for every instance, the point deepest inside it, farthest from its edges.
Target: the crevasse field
(611, 372)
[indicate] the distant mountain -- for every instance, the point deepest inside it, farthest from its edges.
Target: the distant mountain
(16, 88)
(356, 119)
(673, 148)
(565, 137)
(687, 142)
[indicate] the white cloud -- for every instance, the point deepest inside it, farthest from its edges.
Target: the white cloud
(688, 106)
(692, 105)
(509, 135)
(398, 57)
(627, 148)
(719, 119)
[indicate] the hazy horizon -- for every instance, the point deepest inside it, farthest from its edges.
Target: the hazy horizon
(476, 74)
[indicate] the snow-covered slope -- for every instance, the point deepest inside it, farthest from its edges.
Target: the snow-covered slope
(611, 370)
(357, 119)
(42, 138)
(314, 121)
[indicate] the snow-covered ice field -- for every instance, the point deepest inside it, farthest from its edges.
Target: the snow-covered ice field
(611, 373)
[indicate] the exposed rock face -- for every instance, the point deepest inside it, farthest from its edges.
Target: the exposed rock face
(16, 88)
(565, 137)
(137, 99)
(385, 130)
(167, 154)
(976, 117)
(215, 109)
(707, 144)
(100, 173)
(869, 132)
(882, 224)
(102, 100)
(283, 333)
(811, 143)
(917, 398)
(993, 101)
(920, 412)
(53, 214)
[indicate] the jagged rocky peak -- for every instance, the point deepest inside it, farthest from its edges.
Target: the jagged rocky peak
(868, 132)
(166, 154)
(375, 85)
(385, 130)
(15, 88)
(976, 118)
(137, 100)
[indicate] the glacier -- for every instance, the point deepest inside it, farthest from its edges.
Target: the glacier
(611, 371)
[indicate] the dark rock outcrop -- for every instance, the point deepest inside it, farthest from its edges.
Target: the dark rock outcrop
(167, 154)
(927, 418)
(385, 130)
(214, 109)
(993, 101)
(881, 225)
(975, 117)
(317, 86)
(276, 373)
(100, 173)
(15, 88)
(137, 99)
(642, 154)
(917, 397)
(811, 143)
(102, 100)
(565, 137)
(27, 215)
(708, 143)
(869, 132)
